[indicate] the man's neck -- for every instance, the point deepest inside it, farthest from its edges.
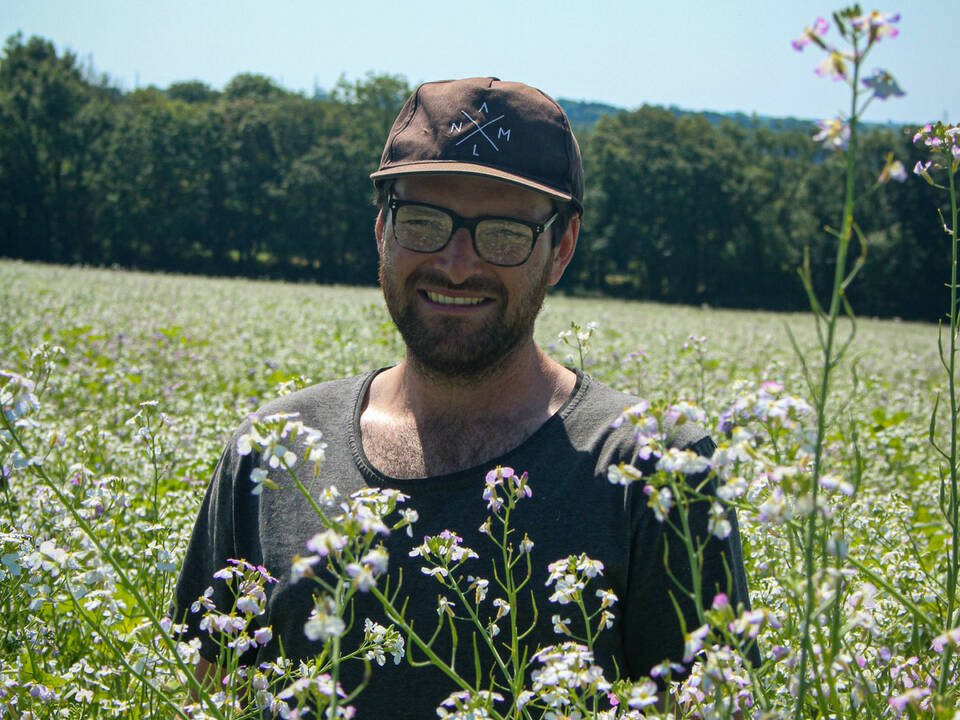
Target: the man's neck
(529, 380)
(415, 425)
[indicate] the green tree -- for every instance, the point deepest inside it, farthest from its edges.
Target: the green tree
(42, 150)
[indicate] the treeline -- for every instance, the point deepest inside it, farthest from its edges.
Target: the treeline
(260, 181)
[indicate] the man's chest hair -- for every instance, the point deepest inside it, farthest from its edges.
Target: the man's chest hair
(404, 448)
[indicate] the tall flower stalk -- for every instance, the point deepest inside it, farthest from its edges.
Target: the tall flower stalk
(860, 32)
(944, 144)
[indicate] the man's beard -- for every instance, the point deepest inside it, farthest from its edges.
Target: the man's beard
(459, 349)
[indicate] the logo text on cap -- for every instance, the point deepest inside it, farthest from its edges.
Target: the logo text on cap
(502, 132)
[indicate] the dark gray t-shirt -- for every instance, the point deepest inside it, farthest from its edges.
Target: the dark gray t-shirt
(574, 509)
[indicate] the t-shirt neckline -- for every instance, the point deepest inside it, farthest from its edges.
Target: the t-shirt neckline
(377, 477)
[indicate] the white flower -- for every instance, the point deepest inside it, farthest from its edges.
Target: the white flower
(479, 586)
(444, 605)
(732, 488)
(718, 524)
(623, 474)
(526, 545)
(263, 635)
(683, 461)
(301, 567)
(643, 695)
(589, 567)
(376, 559)
(660, 501)
(327, 542)
(693, 642)
(567, 589)
(362, 575)
(257, 477)
(324, 622)
(835, 482)
(607, 598)
(189, 652)
(277, 455)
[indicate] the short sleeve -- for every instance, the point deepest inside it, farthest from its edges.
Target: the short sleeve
(221, 532)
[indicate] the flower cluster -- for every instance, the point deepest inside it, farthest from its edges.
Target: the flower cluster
(766, 405)
(579, 339)
(443, 553)
(717, 686)
(310, 695)
(325, 620)
(856, 28)
(469, 705)
(237, 627)
(17, 395)
(652, 427)
(570, 576)
(516, 487)
(379, 640)
(567, 676)
(273, 437)
(17, 401)
(347, 542)
(943, 141)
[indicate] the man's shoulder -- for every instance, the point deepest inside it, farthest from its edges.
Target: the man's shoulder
(601, 400)
(601, 395)
(319, 404)
(592, 416)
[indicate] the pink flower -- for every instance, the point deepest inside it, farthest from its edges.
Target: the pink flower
(834, 66)
(720, 601)
(811, 34)
(923, 170)
(834, 133)
(879, 24)
(950, 637)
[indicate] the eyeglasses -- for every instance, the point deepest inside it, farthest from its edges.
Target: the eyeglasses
(497, 240)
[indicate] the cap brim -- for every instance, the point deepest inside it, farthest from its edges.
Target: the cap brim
(437, 167)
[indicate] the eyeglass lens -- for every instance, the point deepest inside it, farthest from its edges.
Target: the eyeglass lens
(497, 241)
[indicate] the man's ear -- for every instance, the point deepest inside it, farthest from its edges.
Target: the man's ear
(378, 229)
(563, 250)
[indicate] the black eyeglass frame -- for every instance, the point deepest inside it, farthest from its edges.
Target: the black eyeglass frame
(395, 203)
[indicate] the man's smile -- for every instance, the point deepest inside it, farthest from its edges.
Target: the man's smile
(439, 298)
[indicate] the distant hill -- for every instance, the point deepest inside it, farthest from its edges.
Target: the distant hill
(584, 115)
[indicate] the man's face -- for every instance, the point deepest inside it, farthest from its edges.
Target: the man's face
(460, 316)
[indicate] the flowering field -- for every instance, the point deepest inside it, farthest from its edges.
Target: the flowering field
(139, 380)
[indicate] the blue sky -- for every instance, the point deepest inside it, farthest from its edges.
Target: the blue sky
(696, 54)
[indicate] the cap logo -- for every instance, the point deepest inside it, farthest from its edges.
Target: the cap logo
(476, 128)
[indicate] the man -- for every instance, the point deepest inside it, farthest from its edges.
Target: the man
(480, 190)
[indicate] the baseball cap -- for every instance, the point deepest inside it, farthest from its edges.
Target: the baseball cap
(484, 126)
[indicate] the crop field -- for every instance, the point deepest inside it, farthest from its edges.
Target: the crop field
(120, 390)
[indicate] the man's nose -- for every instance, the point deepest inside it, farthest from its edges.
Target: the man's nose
(458, 260)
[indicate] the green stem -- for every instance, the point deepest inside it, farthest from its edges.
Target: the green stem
(145, 682)
(953, 567)
(821, 401)
(435, 660)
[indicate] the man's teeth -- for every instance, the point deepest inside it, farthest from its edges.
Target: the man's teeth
(450, 300)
